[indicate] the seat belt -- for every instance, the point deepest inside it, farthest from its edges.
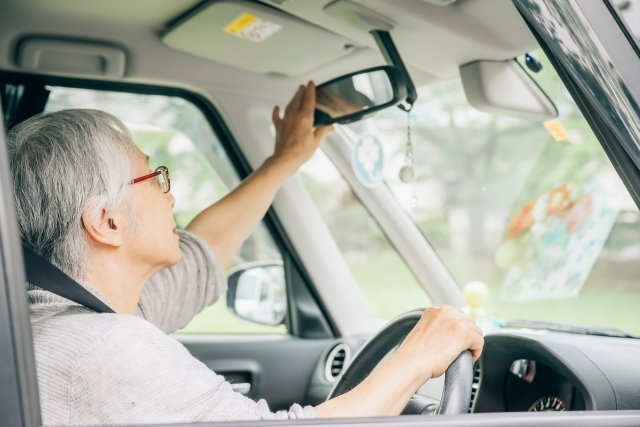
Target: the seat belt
(43, 274)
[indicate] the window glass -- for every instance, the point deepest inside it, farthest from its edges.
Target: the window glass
(544, 222)
(174, 133)
(388, 285)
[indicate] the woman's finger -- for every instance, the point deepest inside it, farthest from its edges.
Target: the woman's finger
(476, 346)
(461, 315)
(294, 104)
(476, 354)
(308, 103)
(275, 116)
(321, 131)
(474, 328)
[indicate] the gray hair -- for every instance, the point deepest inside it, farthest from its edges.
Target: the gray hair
(64, 163)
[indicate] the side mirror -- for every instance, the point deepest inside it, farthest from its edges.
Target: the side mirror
(505, 88)
(351, 97)
(257, 292)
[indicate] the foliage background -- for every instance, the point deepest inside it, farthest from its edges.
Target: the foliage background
(476, 170)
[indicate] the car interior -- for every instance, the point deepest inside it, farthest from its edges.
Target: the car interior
(335, 276)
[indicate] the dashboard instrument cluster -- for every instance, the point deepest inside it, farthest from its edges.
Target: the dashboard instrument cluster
(520, 373)
(541, 371)
(533, 386)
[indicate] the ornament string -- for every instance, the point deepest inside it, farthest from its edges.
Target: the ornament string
(407, 173)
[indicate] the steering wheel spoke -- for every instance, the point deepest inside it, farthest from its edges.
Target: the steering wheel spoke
(420, 405)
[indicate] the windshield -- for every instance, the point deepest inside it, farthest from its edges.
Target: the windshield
(534, 211)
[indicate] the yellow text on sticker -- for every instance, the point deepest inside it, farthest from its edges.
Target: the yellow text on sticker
(557, 131)
(240, 23)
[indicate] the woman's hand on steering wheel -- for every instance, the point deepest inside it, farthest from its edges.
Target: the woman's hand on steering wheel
(437, 339)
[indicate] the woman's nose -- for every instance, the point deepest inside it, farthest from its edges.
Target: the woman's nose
(172, 199)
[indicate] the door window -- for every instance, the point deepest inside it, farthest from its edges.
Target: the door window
(630, 11)
(534, 211)
(387, 283)
(174, 133)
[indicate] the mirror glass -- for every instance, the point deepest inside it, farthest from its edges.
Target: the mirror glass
(352, 94)
(261, 295)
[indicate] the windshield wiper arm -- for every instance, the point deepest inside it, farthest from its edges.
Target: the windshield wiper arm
(569, 327)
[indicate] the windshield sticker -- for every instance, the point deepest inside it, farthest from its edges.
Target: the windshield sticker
(552, 243)
(368, 160)
(557, 131)
(252, 28)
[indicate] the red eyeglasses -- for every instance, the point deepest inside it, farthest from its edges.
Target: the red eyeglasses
(161, 176)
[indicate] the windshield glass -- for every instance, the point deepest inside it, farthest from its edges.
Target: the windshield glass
(387, 283)
(534, 211)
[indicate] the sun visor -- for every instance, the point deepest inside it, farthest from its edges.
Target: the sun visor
(504, 88)
(257, 38)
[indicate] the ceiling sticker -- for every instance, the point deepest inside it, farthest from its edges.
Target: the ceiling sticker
(252, 28)
(368, 160)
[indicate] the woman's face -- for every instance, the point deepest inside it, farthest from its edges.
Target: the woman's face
(155, 240)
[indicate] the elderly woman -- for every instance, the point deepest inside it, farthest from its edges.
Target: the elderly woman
(88, 202)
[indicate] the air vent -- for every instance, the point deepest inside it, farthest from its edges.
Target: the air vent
(336, 362)
(477, 375)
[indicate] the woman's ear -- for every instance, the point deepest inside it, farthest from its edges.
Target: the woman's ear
(107, 231)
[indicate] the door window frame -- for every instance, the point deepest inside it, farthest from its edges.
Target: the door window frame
(307, 316)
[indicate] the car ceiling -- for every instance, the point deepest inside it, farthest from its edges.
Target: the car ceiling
(433, 40)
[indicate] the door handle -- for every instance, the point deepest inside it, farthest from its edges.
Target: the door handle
(243, 388)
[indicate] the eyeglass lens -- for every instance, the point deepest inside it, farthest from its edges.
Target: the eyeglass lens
(163, 179)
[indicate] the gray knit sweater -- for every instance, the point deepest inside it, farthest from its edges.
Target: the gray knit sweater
(119, 369)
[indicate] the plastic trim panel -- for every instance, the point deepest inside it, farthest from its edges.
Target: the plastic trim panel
(19, 403)
(520, 419)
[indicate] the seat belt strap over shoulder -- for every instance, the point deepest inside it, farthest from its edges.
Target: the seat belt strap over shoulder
(43, 274)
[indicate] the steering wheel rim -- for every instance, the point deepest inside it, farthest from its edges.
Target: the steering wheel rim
(458, 380)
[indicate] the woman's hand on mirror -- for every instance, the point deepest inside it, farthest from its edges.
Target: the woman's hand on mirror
(226, 224)
(296, 138)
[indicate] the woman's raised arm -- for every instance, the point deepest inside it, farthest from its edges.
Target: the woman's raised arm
(226, 224)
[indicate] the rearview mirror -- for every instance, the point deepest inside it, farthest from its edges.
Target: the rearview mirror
(257, 292)
(351, 97)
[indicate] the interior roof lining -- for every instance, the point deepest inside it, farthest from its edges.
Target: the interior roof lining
(138, 24)
(445, 32)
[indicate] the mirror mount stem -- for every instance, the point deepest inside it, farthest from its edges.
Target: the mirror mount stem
(392, 56)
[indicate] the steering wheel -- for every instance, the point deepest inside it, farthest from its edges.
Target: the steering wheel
(458, 378)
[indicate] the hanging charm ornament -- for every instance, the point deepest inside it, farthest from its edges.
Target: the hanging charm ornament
(407, 172)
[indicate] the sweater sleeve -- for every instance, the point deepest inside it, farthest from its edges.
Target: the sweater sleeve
(139, 375)
(174, 295)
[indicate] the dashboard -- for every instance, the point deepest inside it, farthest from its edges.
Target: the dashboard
(539, 370)
(528, 370)
(550, 371)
